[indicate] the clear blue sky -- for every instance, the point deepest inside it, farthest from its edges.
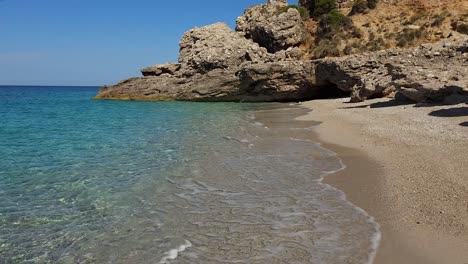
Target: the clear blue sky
(96, 42)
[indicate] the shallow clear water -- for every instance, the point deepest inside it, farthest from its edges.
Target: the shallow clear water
(85, 181)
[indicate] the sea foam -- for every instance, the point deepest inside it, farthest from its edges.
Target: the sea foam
(174, 253)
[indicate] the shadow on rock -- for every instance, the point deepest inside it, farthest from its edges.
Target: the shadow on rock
(465, 124)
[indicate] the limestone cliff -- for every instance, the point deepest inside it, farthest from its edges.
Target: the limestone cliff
(429, 73)
(269, 58)
(344, 27)
(218, 64)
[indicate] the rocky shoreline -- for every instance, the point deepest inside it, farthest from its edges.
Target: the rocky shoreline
(262, 62)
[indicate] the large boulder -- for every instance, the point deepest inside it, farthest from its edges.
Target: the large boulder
(275, 27)
(278, 81)
(362, 76)
(433, 72)
(217, 47)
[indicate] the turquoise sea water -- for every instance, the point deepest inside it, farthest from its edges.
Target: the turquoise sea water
(87, 181)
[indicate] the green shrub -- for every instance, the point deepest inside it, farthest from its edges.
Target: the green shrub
(332, 23)
(372, 4)
(390, 35)
(460, 27)
(323, 7)
(408, 36)
(302, 10)
(439, 19)
(348, 50)
(359, 7)
(463, 29)
(363, 6)
(318, 8)
(304, 13)
(356, 33)
(326, 48)
(376, 44)
(416, 18)
(335, 19)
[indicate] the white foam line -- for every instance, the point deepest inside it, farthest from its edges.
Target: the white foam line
(377, 237)
(174, 253)
(236, 139)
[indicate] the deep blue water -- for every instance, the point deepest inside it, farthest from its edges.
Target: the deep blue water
(92, 181)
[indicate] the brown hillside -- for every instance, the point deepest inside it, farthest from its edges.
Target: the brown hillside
(393, 23)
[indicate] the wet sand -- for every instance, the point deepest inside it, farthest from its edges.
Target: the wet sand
(407, 165)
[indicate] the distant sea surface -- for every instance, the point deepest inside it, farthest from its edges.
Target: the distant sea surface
(90, 181)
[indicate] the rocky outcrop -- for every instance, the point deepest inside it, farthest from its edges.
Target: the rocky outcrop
(433, 73)
(281, 81)
(215, 85)
(262, 62)
(160, 69)
(428, 73)
(362, 76)
(252, 82)
(218, 64)
(274, 27)
(217, 47)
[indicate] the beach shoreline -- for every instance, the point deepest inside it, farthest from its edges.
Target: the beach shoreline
(405, 167)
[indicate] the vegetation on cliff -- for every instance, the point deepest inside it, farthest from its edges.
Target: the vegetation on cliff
(343, 27)
(302, 10)
(268, 57)
(363, 6)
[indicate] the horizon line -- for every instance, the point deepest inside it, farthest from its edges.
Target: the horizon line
(44, 85)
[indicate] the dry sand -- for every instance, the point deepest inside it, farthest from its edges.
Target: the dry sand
(407, 165)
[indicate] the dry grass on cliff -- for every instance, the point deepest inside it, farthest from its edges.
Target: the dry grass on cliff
(393, 23)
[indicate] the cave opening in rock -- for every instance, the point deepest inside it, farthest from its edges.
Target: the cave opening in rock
(329, 91)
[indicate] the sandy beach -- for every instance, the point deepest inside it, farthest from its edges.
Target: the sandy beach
(407, 165)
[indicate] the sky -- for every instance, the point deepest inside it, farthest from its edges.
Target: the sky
(97, 42)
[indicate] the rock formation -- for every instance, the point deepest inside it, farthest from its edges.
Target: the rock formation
(363, 76)
(431, 72)
(272, 27)
(160, 69)
(278, 2)
(218, 64)
(217, 47)
(262, 62)
(279, 81)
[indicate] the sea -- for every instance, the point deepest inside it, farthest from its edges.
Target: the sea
(101, 181)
